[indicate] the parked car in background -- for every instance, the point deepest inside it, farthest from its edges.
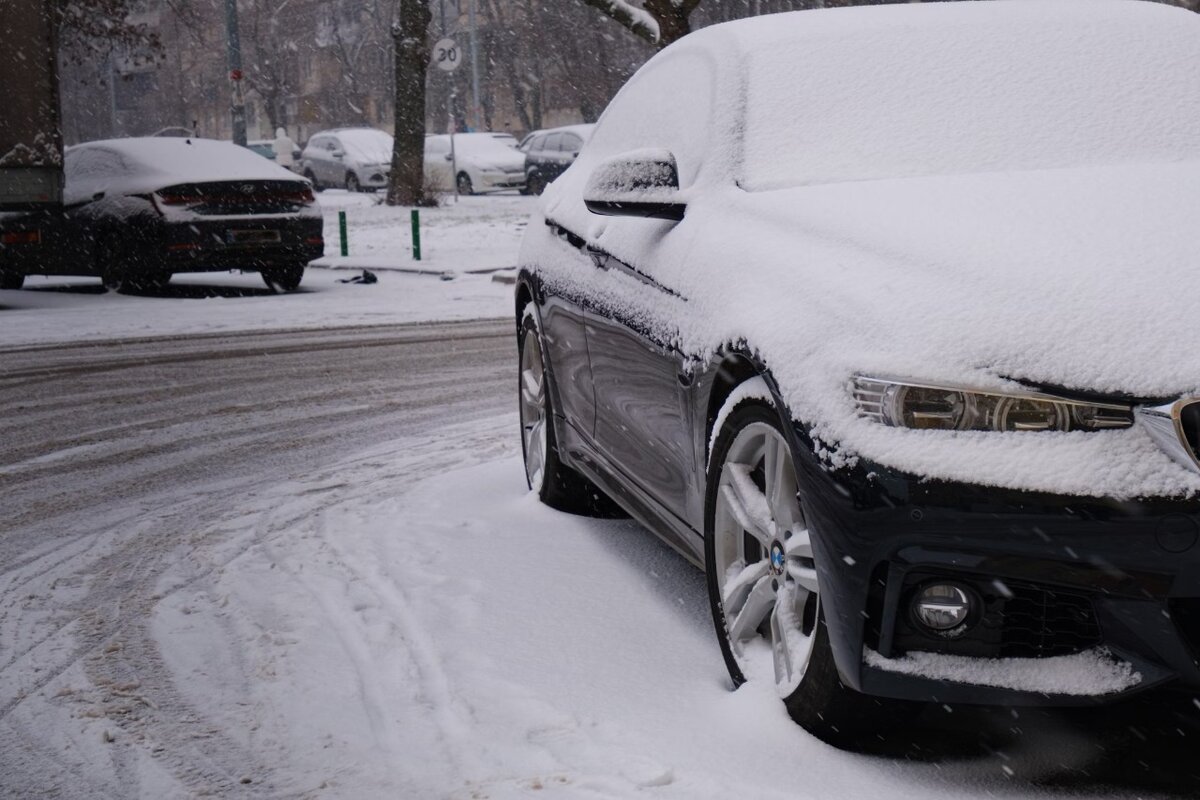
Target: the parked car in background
(355, 159)
(548, 153)
(481, 162)
(910, 368)
(139, 210)
(266, 149)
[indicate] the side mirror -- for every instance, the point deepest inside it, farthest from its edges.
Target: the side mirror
(339, 153)
(642, 183)
(449, 156)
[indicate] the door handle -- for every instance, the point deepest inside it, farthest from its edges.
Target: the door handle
(599, 258)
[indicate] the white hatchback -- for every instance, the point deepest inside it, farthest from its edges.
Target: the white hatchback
(477, 162)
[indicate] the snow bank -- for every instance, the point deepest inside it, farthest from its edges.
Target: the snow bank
(1093, 672)
(981, 269)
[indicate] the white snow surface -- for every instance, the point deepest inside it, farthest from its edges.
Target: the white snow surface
(139, 165)
(1076, 276)
(412, 623)
(1090, 673)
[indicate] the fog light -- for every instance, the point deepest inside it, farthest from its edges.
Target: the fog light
(942, 607)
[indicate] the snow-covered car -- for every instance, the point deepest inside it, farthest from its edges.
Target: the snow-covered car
(548, 153)
(885, 316)
(266, 149)
(355, 159)
(139, 210)
(477, 162)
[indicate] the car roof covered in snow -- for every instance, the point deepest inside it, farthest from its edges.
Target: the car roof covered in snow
(146, 164)
(846, 94)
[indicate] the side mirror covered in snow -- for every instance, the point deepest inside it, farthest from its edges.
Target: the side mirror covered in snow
(642, 183)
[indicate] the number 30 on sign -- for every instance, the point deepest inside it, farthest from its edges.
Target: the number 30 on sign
(446, 55)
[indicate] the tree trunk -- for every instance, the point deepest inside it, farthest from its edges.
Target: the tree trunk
(406, 184)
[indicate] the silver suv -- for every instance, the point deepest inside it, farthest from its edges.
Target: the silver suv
(357, 159)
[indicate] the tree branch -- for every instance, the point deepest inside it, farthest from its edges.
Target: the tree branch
(636, 20)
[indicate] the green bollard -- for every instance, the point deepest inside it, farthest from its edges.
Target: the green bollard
(342, 230)
(416, 228)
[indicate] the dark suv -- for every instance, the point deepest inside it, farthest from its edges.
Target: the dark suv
(548, 154)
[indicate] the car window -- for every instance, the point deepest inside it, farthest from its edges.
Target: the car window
(437, 146)
(652, 112)
(539, 144)
(90, 163)
(552, 142)
(570, 143)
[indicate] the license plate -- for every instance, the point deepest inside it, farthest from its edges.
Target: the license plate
(252, 237)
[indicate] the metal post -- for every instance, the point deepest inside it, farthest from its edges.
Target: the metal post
(476, 110)
(416, 229)
(342, 231)
(238, 108)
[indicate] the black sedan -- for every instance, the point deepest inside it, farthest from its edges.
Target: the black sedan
(139, 210)
(883, 317)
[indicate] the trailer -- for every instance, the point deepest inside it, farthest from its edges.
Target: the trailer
(31, 150)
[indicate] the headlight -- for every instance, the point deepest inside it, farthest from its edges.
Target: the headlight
(950, 408)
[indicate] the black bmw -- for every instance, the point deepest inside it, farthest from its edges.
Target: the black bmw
(882, 316)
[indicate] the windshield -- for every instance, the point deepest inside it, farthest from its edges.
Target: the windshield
(861, 103)
(367, 146)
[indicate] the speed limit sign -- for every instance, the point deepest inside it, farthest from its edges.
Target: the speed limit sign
(446, 55)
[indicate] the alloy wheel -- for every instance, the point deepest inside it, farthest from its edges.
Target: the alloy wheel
(533, 409)
(764, 564)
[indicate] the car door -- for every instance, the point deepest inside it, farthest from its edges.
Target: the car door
(642, 382)
(336, 163)
(551, 166)
(437, 164)
(568, 150)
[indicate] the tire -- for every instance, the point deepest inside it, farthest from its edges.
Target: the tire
(11, 280)
(352, 184)
(308, 173)
(763, 587)
(464, 184)
(535, 183)
(283, 279)
(556, 484)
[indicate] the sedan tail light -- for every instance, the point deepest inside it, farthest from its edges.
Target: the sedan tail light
(21, 237)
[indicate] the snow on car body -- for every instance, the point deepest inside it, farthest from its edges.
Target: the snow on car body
(951, 250)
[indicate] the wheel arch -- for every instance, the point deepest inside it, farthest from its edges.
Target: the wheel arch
(731, 369)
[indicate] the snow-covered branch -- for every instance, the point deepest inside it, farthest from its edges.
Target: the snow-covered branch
(637, 20)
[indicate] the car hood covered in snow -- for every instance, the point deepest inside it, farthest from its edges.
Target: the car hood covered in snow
(1083, 277)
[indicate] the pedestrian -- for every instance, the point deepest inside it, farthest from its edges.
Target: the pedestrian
(284, 149)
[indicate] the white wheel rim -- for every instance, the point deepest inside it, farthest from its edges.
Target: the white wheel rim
(770, 599)
(533, 409)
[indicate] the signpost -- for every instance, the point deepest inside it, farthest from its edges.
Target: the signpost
(447, 56)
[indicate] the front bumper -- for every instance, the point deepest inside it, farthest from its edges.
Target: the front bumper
(1054, 576)
(502, 180)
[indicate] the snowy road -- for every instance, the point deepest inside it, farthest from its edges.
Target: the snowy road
(304, 564)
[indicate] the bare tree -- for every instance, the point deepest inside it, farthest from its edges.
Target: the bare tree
(406, 184)
(267, 57)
